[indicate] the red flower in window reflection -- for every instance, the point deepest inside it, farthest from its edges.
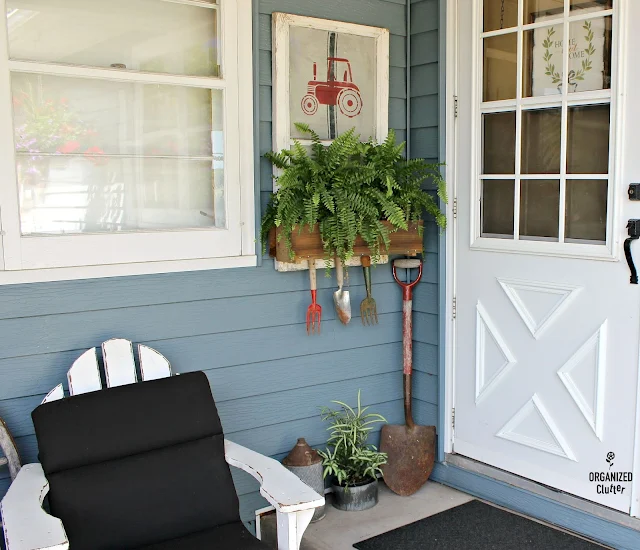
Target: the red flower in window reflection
(95, 155)
(69, 147)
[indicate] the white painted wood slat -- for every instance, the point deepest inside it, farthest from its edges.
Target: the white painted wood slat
(84, 374)
(119, 364)
(153, 365)
(28, 526)
(55, 394)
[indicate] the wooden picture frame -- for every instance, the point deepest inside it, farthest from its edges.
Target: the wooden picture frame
(346, 86)
(341, 73)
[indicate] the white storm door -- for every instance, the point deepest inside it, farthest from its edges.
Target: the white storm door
(547, 328)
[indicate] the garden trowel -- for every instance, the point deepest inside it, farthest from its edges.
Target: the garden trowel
(341, 297)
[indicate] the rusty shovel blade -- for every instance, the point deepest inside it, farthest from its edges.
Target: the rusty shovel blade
(411, 455)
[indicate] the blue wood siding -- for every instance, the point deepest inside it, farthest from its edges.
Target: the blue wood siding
(424, 114)
(243, 327)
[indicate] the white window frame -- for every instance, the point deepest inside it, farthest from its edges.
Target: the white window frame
(610, 250)
(47, 258)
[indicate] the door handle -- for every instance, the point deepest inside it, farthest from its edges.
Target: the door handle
(633, 227)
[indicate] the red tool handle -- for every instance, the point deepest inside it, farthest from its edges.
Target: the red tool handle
(407, 319)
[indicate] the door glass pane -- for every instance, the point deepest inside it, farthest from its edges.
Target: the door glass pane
(541, 136)
(96, 155)
(588, 140)
(539, 209)
(542, 10)
(542, 62)
(590, 55)
(500, 67)
(500, 14)
(145, 35)
(497, 208)
(586, 210)
(591, 5)
(499, 143)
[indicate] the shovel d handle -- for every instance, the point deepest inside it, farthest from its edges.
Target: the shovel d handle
(407, 288)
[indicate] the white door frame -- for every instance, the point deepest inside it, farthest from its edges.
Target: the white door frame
(451, 90)
(450, 140)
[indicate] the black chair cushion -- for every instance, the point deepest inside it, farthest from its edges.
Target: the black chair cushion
(109, 424)
(151, 465)
(232, 536)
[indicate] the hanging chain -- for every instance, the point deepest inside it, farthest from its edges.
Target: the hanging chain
(502, 15)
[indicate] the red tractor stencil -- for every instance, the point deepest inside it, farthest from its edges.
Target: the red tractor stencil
(343, 93)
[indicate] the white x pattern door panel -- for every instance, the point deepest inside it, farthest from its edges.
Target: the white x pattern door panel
(547, 327)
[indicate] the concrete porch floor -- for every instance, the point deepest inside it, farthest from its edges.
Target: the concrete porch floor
(341, 530)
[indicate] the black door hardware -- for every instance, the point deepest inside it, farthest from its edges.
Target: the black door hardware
(633, 227)
(634, 192)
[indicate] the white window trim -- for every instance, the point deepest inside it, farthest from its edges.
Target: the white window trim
(609, 251)
(54, 258)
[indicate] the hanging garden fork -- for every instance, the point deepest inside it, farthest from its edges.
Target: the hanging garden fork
(314, 311)
(368, 308)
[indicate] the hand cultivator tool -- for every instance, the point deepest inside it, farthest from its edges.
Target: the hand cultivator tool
(368, 309)
(410, 448)
(314, 311)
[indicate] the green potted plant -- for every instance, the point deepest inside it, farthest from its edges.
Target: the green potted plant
(354, 194)
(351, 462)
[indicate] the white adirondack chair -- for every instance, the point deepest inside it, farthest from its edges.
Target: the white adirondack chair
(28, 527)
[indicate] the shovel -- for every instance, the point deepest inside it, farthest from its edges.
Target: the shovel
(341, 297)
(410, 448)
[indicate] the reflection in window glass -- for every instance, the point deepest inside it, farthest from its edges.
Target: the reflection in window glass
(542, 10)
(541, 136)
(586, 210)
(542, 61)
(590, 5)
(497, 208)
(103, 156)
(539, 209)
(500, 67)
(590, 55)
(145, 35)
(499, 141)
(500, 15)
(588, 140)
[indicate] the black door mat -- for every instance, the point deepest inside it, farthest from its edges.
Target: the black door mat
(476, 526)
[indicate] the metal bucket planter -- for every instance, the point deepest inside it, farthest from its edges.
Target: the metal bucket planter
(356, 498)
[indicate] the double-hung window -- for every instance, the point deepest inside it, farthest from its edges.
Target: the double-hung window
(126, 137)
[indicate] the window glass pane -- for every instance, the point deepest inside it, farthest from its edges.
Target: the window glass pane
(542, 63)
(542, 10)
(499, 143)
(64, 115)
(539, 209)
(590, 55)
(497, 208)
(500, 14)
(95, 194)
(586, 210)
(541, 141)
(97, 156)
(588, 140)
(145, 35)
(500, 67)
(591, 5)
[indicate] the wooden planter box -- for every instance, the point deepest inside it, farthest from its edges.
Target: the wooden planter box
(308, 244)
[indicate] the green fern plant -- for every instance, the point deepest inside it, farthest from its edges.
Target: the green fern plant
(349, 188)
(348, 457)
